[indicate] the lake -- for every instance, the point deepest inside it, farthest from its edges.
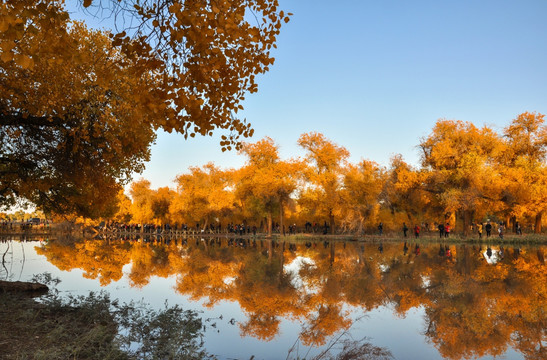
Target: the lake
(288, 300)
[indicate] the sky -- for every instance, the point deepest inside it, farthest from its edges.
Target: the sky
(375, 76)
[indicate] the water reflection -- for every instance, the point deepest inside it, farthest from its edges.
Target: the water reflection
(479, 300)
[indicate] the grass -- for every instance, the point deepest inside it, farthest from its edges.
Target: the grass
(431, 237)
(33, 330)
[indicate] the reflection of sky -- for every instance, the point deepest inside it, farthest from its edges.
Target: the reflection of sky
(293, 270)
(493, 258)
(403, 336)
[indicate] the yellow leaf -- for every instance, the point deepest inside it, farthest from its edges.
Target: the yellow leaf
(6, 56)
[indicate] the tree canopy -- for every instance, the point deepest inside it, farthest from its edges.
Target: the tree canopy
(468, 175)
(78, 108)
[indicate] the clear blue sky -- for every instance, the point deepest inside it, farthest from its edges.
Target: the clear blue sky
(374, 77)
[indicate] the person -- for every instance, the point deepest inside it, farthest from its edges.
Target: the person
(488, 229)
(518, 228)
(405, 229)
(447, 230)
(380, 228)
(416, 231)
(479, 230)
(441, 230)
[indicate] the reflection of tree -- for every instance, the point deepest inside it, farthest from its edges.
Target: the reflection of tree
(324, 324)
(98, 259)
(266, 293)
(471, 308)
(491, 309)
(149, 260)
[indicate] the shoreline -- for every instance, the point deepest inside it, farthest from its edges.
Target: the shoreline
(539, 239)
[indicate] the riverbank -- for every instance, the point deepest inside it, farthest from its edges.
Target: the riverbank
(430, 237)
(94, 328)
(34, 330)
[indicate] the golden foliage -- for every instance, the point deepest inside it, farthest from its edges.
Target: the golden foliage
(472, 309)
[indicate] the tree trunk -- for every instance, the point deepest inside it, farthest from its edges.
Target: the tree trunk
(508, 223)
(537, 228)
(281, 227)
(331, 222)
(467, 216)
(269, 224)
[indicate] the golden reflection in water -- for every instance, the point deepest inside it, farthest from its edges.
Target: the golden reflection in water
(478, 300)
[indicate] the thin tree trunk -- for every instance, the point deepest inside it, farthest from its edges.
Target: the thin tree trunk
(508, 223)
(331, 222)
(270, 224)
(281, 217)
(467, 216)
(537, 228)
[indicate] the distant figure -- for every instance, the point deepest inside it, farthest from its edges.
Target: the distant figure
(441, 230)
(447, 230)
(405, 229)
(500, 231)
(488, 229)
(479, 230)
(417, 231)
(518, 228)
(380, 228)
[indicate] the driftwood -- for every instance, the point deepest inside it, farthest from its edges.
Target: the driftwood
(20, 286)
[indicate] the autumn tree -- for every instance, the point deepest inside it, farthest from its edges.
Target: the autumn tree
(209, 54)
(141, 205)
(266, 182)
(523, 166)
(78, 108)
(404, 195)
(75, 120)
(204, 195)
(160, 205)
(459, 160)
(123, 214)
(324, 176)
(363, 186)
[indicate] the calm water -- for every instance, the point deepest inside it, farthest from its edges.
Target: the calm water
(275, 300)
